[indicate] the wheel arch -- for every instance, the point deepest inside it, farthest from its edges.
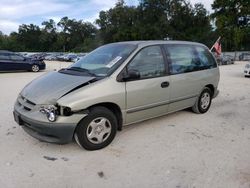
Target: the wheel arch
(211, 87)
(113, 108)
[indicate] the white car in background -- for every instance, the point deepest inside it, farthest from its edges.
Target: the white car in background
(247, 70)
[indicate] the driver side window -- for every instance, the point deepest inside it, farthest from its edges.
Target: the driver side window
(148, 62)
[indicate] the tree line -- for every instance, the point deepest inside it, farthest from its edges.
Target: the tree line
(149, 20)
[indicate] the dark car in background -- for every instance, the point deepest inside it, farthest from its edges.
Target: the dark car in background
(225, 59)
(38, 56)
(10, 61)
(52, 57)
(67, 57)
(244, 56)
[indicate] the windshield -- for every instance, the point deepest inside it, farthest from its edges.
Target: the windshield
(105, 59)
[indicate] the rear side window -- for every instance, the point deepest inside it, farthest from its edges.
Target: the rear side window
(206, 59)
(188, 58)
(4, 57)
(149, 62)
(16, 57)
(182, 57)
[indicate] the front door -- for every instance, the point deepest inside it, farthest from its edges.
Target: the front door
(5, 62)
(18, 62)
(147, 96)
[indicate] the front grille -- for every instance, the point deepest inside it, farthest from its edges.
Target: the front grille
(26, 108)
(25, 103)
(30, 102)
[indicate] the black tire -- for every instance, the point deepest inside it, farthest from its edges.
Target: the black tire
(35, 68)
(199, 107)
(84, 126)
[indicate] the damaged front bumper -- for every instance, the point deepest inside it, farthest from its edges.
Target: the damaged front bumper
(49, 132)
(37, 125)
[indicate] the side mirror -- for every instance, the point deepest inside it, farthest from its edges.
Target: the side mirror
(129, 75)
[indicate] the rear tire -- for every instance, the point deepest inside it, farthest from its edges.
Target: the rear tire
(203, 103)
(97, 130)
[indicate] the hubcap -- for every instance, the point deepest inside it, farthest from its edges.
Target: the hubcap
(98, 130)
(205, 100)
(35, 68)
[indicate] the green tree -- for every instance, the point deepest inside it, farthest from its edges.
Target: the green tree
(74, 33)
(155, 20)
(28, 37)
(48, 36)
(226, 14)
(149, 20)
(117, 24)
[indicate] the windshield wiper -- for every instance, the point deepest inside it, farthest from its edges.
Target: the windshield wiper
(79, 69)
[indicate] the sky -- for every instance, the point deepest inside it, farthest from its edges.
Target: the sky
(16, 12)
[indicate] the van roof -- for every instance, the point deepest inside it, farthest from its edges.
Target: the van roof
(152, 42)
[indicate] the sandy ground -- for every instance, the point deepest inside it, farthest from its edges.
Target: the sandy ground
(180, 150)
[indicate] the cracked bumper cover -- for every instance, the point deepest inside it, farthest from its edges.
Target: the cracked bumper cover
(59, 133)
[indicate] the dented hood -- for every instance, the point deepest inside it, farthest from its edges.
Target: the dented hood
(48, 88)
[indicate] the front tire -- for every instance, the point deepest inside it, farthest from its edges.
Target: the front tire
(97, 130)
(203, 103)
(35, 68)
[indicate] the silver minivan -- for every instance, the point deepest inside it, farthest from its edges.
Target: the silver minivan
(115, 85)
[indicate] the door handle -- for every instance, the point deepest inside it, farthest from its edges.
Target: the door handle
(164, 84)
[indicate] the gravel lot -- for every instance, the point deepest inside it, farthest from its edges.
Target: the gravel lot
(180, 150)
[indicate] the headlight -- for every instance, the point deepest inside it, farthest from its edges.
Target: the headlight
(50, 111)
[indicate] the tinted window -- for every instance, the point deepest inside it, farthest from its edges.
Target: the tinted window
(148, 62)
(188, 58)
(205, 57)
(4, 57)
(183, 58)
(16, 57)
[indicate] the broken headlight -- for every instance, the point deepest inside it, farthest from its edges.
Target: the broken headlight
(50, 111)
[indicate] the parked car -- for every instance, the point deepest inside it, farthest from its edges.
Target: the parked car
(61, 57)
(38, 56)
(225, 59)
(247, 70)
(71, 57)
(53, 57)
(244, 56)
(79, 56)
(67, 57)
(115, 85)
(10, 61)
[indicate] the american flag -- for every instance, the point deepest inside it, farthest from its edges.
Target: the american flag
(217, 46)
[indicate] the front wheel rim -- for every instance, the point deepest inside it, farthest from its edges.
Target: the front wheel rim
(205, 101)
(35, 68)
(98, 130)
